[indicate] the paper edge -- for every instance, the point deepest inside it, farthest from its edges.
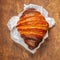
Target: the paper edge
(24, 42)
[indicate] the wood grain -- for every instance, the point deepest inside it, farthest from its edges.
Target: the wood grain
(9, 50)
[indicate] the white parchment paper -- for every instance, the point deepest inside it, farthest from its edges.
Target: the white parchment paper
(15, 35)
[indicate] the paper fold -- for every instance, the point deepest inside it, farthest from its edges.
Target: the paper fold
(14, 32)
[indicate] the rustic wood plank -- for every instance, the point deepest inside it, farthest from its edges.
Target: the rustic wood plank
(9, 50)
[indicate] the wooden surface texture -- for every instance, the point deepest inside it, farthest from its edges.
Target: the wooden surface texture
(9, 50)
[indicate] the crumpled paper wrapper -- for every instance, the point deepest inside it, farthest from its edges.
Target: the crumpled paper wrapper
(15, 35)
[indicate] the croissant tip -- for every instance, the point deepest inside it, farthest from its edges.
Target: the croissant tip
(32, 44)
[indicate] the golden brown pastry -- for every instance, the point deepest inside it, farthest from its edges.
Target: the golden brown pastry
(32, 27)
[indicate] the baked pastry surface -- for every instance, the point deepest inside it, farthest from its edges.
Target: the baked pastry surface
(32, 26)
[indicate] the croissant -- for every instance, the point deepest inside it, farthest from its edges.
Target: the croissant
(32, 26)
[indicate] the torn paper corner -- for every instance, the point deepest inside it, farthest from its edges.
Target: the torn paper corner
(51, 21)
(15, 35)
(12, 22)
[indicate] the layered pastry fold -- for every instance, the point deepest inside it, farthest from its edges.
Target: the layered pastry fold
(32, 26)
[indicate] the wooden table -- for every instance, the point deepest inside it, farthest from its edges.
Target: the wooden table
(9, 50)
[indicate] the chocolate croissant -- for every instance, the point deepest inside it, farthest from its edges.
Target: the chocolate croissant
(32, 26)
